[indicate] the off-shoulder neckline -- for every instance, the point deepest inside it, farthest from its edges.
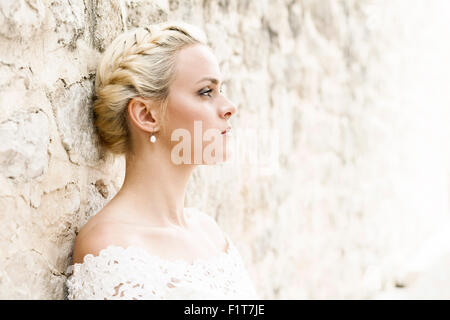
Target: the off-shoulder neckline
(144, 252)
(147, 254)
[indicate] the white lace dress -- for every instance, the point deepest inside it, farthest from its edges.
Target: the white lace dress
(133, 273)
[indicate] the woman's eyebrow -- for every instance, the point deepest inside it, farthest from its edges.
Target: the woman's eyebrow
(213, 80)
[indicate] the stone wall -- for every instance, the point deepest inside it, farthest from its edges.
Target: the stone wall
(355, 92)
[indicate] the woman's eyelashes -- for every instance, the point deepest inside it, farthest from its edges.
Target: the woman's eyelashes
(207, 92)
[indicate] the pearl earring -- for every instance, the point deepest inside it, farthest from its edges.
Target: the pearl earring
(152, 138)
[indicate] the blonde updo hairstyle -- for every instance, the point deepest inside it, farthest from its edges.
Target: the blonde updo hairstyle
(139, 62)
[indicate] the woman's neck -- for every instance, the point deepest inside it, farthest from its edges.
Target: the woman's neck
(154, 189)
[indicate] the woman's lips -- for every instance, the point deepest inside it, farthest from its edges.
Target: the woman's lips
(227, 131)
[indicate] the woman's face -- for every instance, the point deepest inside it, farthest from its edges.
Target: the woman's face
(198, 106)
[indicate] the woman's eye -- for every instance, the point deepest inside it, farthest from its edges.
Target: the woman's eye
(207, 92)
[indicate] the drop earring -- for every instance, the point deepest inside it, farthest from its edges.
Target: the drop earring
(152, 138)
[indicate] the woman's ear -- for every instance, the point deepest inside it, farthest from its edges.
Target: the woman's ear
(144, 114)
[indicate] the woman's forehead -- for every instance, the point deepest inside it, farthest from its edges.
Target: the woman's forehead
(195, 63)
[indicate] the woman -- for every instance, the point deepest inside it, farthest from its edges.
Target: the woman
(154, 85)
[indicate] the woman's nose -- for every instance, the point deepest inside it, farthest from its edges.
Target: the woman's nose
(228, 110)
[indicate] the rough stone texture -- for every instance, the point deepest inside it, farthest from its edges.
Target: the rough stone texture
(354, 93)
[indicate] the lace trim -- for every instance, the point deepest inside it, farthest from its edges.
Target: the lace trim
(134, 273)
(230, 250)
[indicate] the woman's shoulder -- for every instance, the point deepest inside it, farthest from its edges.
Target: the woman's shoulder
(102, 231)
(105, 229)
(93, 237)
(210, 224)
(99, 232)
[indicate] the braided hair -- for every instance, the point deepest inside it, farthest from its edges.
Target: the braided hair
(139, 62)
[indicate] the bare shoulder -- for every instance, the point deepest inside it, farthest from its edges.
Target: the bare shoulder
(214, 230)
(103, 230)
(206, 220)
(93, 238)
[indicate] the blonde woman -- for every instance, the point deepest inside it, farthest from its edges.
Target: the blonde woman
(153, 82)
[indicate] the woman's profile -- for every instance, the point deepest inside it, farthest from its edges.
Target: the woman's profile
(154, 84)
